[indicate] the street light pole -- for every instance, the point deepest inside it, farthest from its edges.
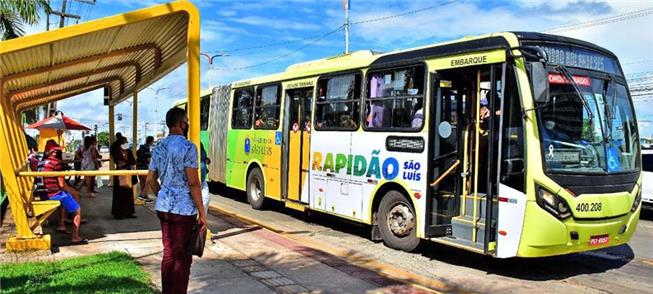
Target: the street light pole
(156, 103)
(210, 59)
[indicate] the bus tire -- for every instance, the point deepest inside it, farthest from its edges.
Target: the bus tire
(397, 222)
(255, 189)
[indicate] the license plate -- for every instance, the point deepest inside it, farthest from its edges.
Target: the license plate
(599, 240)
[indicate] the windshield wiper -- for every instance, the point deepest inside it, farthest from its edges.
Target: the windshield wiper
(562, 69)
(609, 107)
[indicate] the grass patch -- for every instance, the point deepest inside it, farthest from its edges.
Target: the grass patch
(114, 272)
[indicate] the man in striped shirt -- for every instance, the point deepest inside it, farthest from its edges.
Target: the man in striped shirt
(57, 189)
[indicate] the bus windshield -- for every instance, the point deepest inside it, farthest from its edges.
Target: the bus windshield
(588, 126)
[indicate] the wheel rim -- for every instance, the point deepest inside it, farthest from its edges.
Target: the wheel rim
(400, 220)
(255, 191)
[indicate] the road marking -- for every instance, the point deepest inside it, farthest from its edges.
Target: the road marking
(382, 269)
(648, 262)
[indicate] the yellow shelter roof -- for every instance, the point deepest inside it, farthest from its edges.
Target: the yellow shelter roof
(124, 53)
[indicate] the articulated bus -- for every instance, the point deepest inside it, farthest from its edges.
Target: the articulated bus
(204, 115)
(507, 144)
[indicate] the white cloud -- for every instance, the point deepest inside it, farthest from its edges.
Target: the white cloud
(276, 23)
(227, 13)
(222, 28)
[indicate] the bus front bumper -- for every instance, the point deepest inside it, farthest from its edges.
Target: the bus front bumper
(545, 235)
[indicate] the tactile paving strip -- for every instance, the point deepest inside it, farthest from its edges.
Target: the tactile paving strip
(271, 278)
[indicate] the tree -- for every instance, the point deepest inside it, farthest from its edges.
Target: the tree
(102, 139)
(15, 14)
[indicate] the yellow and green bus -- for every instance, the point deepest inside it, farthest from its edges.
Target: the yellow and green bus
(205, 96)
(507, 144)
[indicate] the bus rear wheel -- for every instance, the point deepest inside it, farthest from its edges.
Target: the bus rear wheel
(397, 221)
(255, 189)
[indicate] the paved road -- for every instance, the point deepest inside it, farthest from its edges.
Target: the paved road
(624, 269)
(241, 259)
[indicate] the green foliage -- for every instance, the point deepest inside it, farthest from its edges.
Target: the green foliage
(114, 272)
(102, 139)
(15, 14)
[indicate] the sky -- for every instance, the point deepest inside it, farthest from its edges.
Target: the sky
(292, 31)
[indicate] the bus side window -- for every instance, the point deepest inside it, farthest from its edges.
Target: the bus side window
(395, 99)
(241, 117)
(204, 112)
(267, 107)
(338, 103)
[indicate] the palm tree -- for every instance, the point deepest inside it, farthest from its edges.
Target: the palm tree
(15, 14)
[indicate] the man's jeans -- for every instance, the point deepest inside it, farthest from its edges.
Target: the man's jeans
(176, 236)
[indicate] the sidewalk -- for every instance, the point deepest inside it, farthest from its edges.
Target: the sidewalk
(243, 259)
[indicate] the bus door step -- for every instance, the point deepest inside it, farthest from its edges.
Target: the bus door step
(480, 206)
(438, 230)
(463, 227)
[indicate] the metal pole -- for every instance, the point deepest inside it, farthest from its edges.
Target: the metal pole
(63, 13)
(47, 19)
(210, 59)
(134, 123)
(346, 26)
(112, 133)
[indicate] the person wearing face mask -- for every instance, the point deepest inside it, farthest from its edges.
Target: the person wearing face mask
(123, 192)
(143, 156)
(175, 165)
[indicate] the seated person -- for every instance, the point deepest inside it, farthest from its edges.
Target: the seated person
(348, 123)
(58, 189)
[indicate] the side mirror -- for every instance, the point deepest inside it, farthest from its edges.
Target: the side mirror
(539, 82)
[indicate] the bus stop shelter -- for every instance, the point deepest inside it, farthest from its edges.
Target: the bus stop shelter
(122, 54)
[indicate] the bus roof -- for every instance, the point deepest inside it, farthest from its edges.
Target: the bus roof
(366, 58)
(203, 93)
(117, 52)
(357, 59)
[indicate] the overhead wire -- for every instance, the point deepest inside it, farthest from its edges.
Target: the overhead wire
(315, 38)
(403, 13)
(603, 21)
(289, 53)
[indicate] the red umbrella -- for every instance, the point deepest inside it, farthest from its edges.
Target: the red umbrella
(59, 122)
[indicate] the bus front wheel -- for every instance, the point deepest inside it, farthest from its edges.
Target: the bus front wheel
(255, 189)
(397, 221)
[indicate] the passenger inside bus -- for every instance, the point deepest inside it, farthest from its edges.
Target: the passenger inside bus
(337, 105)
(267, 106)
(418, 115)
(395, 98)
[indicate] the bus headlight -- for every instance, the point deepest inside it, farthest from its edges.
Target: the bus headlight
(552, 203)
(638, 200)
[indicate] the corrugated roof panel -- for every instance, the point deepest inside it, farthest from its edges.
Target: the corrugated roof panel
(74, 48)
(131, 52)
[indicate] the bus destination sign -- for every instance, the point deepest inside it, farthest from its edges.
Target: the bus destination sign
(581, 58)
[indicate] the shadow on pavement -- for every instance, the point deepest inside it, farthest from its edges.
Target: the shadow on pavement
(535, 269)
(100, 221)
(314, 217)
